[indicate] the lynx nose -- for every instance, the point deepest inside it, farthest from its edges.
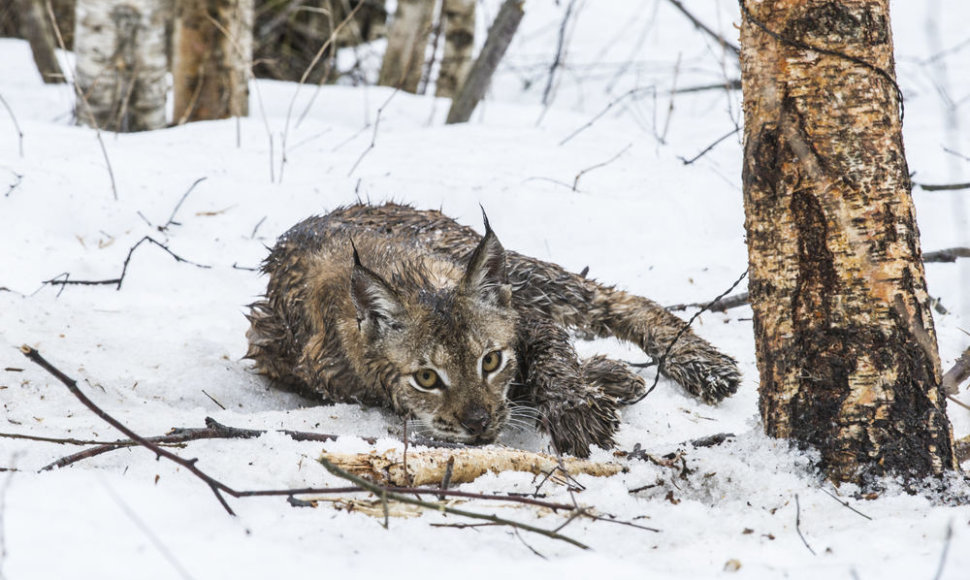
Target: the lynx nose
(474, 419)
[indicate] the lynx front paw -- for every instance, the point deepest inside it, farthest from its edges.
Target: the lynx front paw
(578, 423)
(704, 372)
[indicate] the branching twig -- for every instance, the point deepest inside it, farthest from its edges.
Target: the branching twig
(845, 503)
(704, 28)
(373, 139)
(381, 491)
(598, 165)
(124, 268)
(560, 46)
(707, 149)
(217, 430)
(18, 178)
(171, 219)
(606, 109)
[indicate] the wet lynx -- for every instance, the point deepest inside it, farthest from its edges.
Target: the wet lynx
(392, 306)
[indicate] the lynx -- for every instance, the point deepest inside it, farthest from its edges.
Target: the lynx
(402, 308)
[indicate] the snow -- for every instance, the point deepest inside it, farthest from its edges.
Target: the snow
(160, 351)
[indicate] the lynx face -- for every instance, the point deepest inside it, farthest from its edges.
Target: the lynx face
(446, 352)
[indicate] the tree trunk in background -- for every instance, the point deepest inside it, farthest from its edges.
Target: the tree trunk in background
(406, 43)
(496, 43)
(844, 335)
(459, 26)
(121, 65)
(36, 26)
(212, 57)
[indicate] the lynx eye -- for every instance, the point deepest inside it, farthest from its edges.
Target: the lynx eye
(492, 361)
(427, 379)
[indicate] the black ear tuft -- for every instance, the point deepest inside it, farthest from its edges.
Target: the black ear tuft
(487, 275)
(378, 306)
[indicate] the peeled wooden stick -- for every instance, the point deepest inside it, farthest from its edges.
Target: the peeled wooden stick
(428, 467)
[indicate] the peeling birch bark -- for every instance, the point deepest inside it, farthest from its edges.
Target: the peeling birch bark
(459, 25)
(429, 466)
(406, 43)
(844, 334)
(121, 64)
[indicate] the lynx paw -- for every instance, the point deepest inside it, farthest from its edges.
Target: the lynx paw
(577, 424)
(705, 373)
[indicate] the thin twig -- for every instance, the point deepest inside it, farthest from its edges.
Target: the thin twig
(373, 139)
(16, 126)
(171, 219)
(943, 186)
(605, 110)
(845, 503)
(670, 346)
(946, 550)
(379, 491)
(798, 524)
(558, 58)
(306, 73)
(124, 268)
(707, 149)
(599, 165)
(704, 28)
(720, 305)
(84, 101)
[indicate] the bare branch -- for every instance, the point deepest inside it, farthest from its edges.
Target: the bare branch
(16, 126)
(947, 255)
(704, 28)
(124, 268)
(958, 373)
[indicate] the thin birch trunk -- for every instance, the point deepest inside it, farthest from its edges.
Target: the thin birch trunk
(843, 329)
(121, 64)
(406, 43)
(459, 26)
(499, 37)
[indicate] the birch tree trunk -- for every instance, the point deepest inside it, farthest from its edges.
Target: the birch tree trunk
(406, 43)
(499, 38)
(37, 28)
(212, 58)
(121, 65)
(843, 330)
(459, 26)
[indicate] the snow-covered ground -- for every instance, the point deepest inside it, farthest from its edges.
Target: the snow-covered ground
(161, 352)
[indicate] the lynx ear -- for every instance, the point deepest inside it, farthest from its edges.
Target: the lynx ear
(378, 306)
(486, 276)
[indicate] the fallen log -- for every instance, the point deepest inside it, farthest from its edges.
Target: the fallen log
(432, 465)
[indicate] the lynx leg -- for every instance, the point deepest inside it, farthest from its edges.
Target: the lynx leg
(576, 413)
(614, 378)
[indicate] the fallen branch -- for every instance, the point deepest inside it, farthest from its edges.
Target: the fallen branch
(124, 268)
(16, 126)
(179, 436)
(220, 489)
(430, 466)
(599, 165)
(383, 492)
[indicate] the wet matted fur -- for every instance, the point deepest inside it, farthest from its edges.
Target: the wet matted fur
(403, 308)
